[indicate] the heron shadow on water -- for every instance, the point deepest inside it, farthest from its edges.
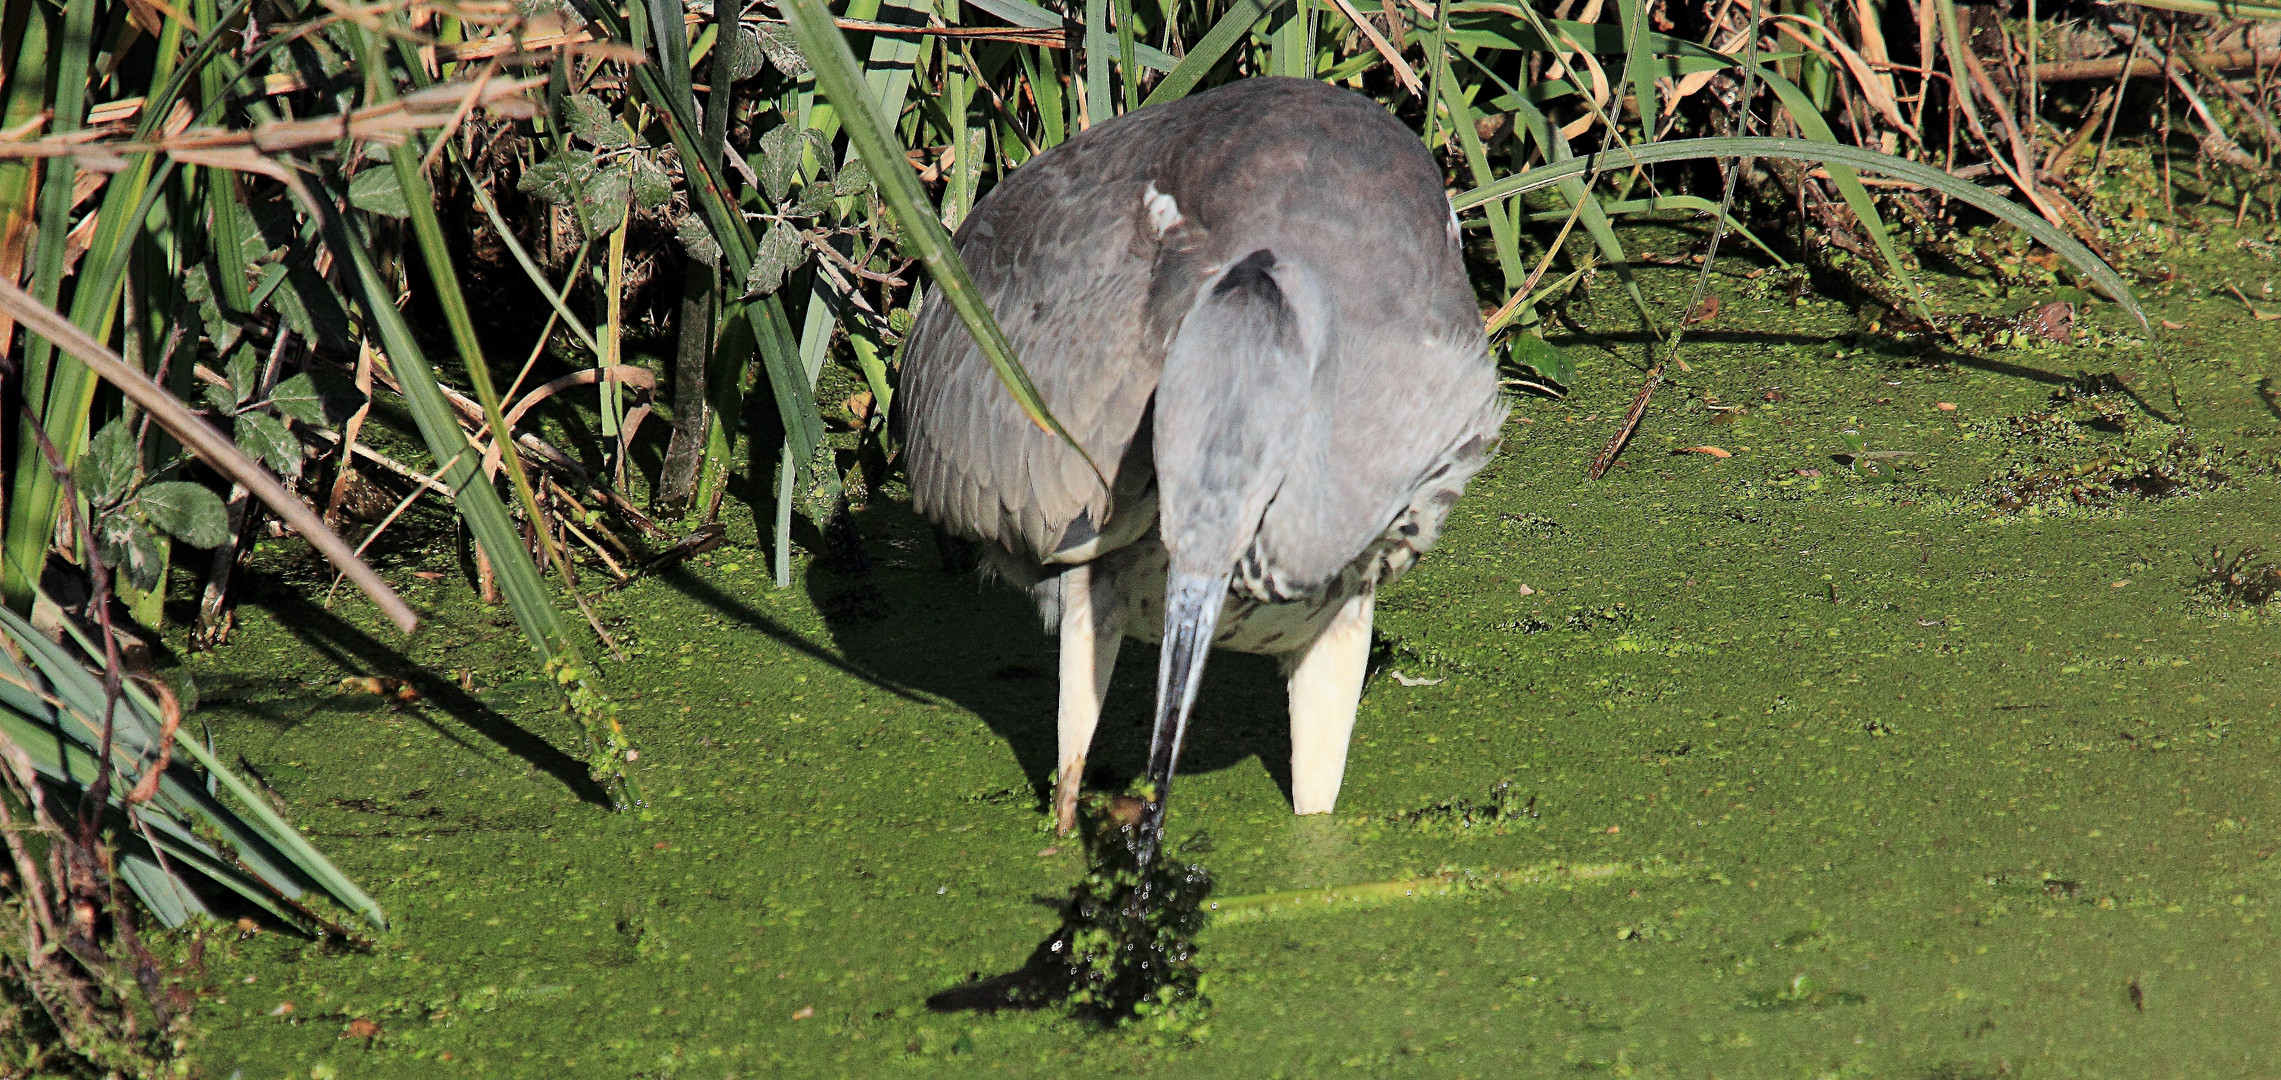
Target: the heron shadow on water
(917, 623)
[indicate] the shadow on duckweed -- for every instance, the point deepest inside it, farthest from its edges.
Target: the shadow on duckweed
(1126, 946)
(923, 629)
(342, 645)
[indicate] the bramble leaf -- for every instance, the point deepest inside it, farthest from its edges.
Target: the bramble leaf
(106, 472)
(297, 397)
(244, 373)
(698, 241)
(591, 121)
(264, 436)
(652, 188)
(779, 252)
(375, 189)
(189, 511)
(780, 161)
(741, 56)
(783, 51)
(561, 178)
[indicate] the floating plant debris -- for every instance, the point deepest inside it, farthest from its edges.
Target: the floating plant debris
(1126, 947)
(1501, 805)
(2240, 581)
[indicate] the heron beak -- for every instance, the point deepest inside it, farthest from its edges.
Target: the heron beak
(1191, 618)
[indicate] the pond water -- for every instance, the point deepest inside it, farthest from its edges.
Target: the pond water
(1926, 769)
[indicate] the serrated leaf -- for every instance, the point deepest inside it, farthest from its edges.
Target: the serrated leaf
(602, 206)
(264, 436)
(559, 179)
(193, 514)
(297, 397)
(195, 287)
(127, 544)
(778, 253)
(652, 188)
(852, 180)
(1534, 353)
(776, 40)
(106, 472)
(780, 161)
(741, 57)
(375, 189)
(244, 373)
(198, 286)
(815, 200)
(698, 241)
(590, 121)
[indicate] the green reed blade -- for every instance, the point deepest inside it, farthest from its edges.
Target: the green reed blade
(1207, 52)
(1852, 157)
(922, 233)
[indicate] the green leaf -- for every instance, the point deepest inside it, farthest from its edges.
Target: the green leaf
(198, 287)
(815, 200)
(652, 188)
(778, 253)
(852, 180)
(1538, 355)
(106, 472)
(126, 544)
(741, 56)
(561, 178)
(776, 41)
(376, 191)
(195, 287)
(602, 206)
(264, 436)
(244, 373)
(780, 161)
(190, 512)
(591, 121)
(297, 397)
(698, 241)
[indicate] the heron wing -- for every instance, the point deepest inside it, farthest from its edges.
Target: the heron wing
(1062, 252)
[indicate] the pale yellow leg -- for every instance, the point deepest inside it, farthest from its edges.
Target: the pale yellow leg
(1326, 685)
(1091, 630)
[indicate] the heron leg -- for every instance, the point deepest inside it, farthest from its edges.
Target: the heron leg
(1326, 685)
(1091, 630)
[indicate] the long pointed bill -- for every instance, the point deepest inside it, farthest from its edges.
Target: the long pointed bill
(1191, 617)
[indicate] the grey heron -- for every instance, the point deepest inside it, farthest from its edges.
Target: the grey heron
(1249, 306)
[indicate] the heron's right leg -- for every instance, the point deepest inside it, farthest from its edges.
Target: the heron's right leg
(1326, 685)
(1091, 630)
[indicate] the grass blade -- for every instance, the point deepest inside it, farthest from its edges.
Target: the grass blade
(1853, 157)
(922, 233)
(1206, 53)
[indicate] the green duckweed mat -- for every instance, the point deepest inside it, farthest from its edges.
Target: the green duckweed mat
(1948, 766)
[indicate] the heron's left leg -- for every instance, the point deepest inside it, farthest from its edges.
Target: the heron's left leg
(1091, 630)
(1326, 685)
